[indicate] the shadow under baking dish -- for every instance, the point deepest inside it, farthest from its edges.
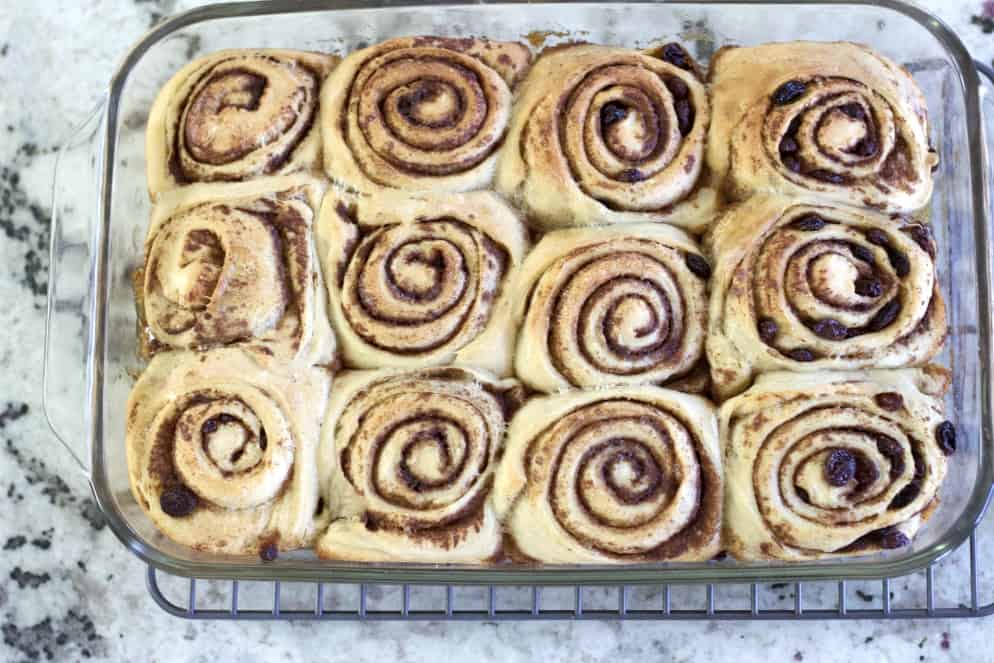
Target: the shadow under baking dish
(92, 323)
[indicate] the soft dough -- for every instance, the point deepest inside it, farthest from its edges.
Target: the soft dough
(222, 450)
(236, 263)
(419, 113)
(807, 287)
(833, 120)
(831, 464)
(609, 135)
(612, 305)
(407, 460)
(422, 279)
(235, 115)
(612, 476)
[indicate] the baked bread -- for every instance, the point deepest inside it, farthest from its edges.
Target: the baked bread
(236, 115)
(833, 463)
(612, 305)
(809, 287)
(836, 121)
(620, 475)
(419, 113)
(236, 264)
(222, 451)
(407, 460)
(609, 135)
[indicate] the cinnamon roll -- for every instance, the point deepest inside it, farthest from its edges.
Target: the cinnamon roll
(834, 120)
(833, 464)
(612, 305)
(807, 287)
(609, 135)
(408, 461)
(420, 113)
(221, 450)
(422, 279)
(236, 263)
(619, 475)
(235, 115)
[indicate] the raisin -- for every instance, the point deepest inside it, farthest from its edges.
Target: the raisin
(792, 163)
(866, 472)
(677, 88)
(891, 538)
(855, 111)
(676, 56)
(840, 467)
(810, 223)
(878, 237)
(890, 401)
(885, 316)
(209, 426)
(698, 265)
(827, 176)
(178, 501)
(684, 118)
(906, 496)
(788, 92)
(801, 354)
(632, 175)
(862, 253)
(922, 236)
(269, 552)
(899, 261)
(945, 435)
(891, 448)
(788, 145)
(865, 148)
(612, 112)
(868, 287)
(830, 329)
(768, 329)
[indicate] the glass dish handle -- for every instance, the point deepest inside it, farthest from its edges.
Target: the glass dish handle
(75, 199)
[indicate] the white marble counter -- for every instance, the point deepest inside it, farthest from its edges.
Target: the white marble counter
(69, 590)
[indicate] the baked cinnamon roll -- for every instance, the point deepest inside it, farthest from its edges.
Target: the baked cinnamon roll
(609, 135)
(236, 264)
(222, 451)
(236, 115)
(420, 113)
(422, 279)
(808, 287)
(408, 461)
(617, 475)
(612, 305)
(833, 464)
(833, 120)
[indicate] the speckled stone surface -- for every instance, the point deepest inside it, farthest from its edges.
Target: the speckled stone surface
(68, 589)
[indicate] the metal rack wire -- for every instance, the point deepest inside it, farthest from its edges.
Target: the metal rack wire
(943, 590)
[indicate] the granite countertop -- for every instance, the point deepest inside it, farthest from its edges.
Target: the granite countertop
(70, 591)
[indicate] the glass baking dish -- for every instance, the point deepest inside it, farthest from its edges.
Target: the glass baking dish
(101, 211)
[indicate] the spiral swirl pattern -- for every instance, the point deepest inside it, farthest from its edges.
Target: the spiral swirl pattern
(423, 280)
(854, 133)
(414, 456)
(422, 113)
(831, 464)
(625, 476)
(624, 305)
(804, 287)
(218, 456)
(236, 115)
(237, 263)
(608, 135)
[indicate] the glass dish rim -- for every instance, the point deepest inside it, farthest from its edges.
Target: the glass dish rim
(292, 570)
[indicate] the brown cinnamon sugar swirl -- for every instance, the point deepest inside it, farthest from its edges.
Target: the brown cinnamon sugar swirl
(832, 464)
(221, 450)
(617, 475)
(609, 135)
(236, 115)
(612, 305)
(419, 113)
(808, 287)
(833, 120)
(422, 279)
(236, 263)
(408, 462)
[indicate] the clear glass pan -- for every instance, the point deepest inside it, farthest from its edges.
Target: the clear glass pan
(102, 210)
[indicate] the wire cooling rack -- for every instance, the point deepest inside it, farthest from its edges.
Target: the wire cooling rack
(959, 585)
